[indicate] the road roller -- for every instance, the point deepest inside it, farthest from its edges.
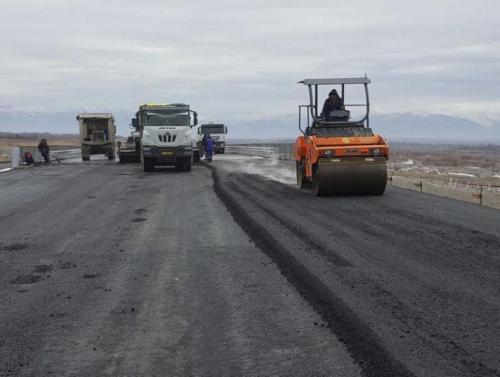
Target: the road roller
(336, 154)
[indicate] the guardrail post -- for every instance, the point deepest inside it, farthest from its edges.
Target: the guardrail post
(15, 156)
(420, 184)
(479, 196)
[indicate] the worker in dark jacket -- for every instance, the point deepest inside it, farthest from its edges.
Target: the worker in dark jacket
(332, 103)
(209, 148)
(44, 149)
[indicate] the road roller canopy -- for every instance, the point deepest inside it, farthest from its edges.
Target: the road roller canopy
(339, 117)
(350, 80)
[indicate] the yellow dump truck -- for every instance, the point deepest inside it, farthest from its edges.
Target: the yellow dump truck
(97, 134)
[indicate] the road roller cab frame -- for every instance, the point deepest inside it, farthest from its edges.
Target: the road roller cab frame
(336, 155)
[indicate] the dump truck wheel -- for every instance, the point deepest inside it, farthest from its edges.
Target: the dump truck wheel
(179, 164)
(148, 165)
(182, 164)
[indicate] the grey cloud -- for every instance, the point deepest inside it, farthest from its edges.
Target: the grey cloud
(245, 57)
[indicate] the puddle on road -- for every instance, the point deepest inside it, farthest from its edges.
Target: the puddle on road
(26, 279)
(14, 246)
(41, 268)
(66, 265)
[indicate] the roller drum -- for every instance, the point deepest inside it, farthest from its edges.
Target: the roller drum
(350, 176)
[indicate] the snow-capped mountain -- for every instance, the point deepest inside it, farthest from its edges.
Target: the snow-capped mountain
(398, 126)
(39, 119)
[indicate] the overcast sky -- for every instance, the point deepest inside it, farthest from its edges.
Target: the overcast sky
(243, 59)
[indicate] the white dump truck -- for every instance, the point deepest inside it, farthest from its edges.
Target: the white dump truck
(166, 135)
(218, 133)
(97, 134)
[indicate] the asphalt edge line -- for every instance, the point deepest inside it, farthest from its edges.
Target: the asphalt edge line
(360, 341)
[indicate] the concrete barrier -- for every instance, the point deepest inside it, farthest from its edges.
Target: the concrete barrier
(15, 157)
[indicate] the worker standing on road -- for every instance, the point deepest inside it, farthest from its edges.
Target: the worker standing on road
(209, 147)
(332, 103)
(44, 149)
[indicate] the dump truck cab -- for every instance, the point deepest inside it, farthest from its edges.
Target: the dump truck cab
(97, 134)
(218, 133)
(336, 154)
(166, 135)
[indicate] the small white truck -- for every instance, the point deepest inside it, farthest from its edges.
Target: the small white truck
(218, 133)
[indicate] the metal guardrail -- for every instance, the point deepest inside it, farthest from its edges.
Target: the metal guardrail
(64, 154)
(283, 151)
(482, 194)
(252, 150)
(17, 155)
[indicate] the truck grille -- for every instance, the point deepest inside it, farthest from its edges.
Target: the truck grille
(167, 138)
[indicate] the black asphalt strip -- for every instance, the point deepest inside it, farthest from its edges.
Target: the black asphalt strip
(362, 344)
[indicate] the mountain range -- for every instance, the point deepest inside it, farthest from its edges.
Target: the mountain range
(398, 127)
(437, 128)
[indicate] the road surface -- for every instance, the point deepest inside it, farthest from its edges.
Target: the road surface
(107, 270)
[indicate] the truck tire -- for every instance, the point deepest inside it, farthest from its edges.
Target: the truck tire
(183, 164)
(196, 156)
(148, 164)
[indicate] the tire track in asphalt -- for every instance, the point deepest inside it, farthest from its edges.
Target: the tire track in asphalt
(329, 254)
(423, 328)
(363, 345)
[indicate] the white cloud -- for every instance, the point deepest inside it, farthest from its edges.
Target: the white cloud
(244, 57)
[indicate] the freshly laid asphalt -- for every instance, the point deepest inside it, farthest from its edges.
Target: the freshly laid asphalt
(109, 271)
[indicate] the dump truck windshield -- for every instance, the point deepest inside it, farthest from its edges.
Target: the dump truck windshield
(158, 120)
(213, 129)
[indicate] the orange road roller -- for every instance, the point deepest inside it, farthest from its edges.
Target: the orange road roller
(336, 155)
